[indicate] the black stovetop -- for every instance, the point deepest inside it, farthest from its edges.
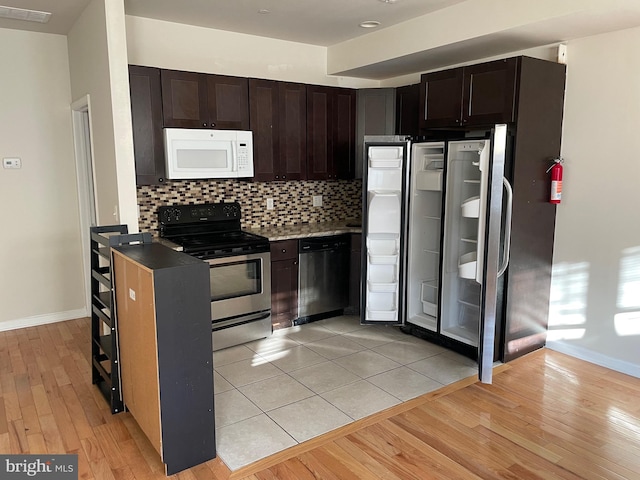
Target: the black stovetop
(209, 230)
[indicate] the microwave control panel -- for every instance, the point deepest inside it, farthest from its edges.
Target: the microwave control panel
(243, 156)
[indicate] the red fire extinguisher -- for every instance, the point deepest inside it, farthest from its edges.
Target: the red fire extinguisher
(556, 180)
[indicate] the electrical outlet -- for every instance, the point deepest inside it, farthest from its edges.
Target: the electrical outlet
(317, 200)
(269, 203)
(132, 294)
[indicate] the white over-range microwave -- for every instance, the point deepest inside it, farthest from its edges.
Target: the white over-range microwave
(198, 153)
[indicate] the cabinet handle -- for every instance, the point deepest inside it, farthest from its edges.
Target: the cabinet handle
(213, 124)
(204, 124)
(284, 176)
(295, 263)
(284, 250)
(277, 177)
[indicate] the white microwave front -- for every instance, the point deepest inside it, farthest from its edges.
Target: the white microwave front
(198, 153)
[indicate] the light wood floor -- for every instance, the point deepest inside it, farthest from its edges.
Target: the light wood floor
(546, 416)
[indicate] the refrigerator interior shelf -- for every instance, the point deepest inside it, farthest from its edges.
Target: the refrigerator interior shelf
(377, 287)
(469, 240)
(464, 335)
(429, 308)
(382, 274)
(471, 181)
(390, 315)
(434, 252)
(467, 265)
(383, 259)
(384, 163)
(429, 217)
(385, 157)
(471, 207)
(429, 297)
(429, 180)
(383, 246)
(382, 306)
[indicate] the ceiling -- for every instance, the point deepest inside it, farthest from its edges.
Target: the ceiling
(315, 22)
(331, 22)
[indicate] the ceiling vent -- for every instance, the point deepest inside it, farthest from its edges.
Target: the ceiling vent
(22, 14)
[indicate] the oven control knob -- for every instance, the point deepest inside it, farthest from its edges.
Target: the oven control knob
(231, 211)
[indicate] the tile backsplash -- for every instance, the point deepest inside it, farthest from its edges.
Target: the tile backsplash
(292, 200)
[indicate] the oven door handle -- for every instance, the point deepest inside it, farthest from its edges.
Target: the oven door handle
(239, 320)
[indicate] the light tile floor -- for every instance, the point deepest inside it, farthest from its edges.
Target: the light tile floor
(305, 381)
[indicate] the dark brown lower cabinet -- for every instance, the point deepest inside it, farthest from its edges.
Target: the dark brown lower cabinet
(284, 283)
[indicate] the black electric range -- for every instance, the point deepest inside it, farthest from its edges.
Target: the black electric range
(209, 230)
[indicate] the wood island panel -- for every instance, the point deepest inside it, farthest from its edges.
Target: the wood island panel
(138, 346)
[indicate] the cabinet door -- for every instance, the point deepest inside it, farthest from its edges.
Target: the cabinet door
(441, 99)
(408, 110)
(344, 133)
(489, 93)
(293, 131)
(146, 118)
(284, 292)
(319, 140)
(228, 102)
(263, 106)
(184, 99)
(376, 116)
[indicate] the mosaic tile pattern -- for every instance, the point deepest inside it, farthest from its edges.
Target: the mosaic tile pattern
(341, 200)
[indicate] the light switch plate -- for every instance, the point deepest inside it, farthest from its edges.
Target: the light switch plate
(317, 200)
(11, 162)
(269, 203)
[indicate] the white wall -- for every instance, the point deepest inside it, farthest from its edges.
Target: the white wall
(156, 43)
(41, 276)
(596, 282)
(98, 67)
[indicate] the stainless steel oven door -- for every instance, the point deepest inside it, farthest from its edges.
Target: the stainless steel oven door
(240, 285)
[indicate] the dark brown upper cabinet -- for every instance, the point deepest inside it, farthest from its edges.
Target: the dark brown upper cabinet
(228, 102)
(489, 93)
(407, 110)
(293, 131)
(146, 117)
(476, 95)
(331, 123)
(199, 100)
(441, 99)
(265, 125)
(278, 121)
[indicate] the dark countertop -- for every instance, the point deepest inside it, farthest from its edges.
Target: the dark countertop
(306, 230)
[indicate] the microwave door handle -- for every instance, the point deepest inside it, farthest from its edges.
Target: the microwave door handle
(234, 157)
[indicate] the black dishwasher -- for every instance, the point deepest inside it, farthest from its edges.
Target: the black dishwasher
(324, 277)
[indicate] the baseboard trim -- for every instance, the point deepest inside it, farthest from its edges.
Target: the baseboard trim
(590, 356)
(43, 319)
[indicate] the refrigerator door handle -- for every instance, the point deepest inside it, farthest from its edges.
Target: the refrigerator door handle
(507, 227)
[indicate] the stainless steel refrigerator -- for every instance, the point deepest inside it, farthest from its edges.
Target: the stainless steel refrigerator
(436, 235)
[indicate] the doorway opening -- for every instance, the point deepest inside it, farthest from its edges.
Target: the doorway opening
(81, 119)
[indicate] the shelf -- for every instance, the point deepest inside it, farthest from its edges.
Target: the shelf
(101, 277)
(434, 252)
(104, 316)
(429, 217)
(464, 335)
(105, 345)
(472, 181)
(104, 252)
(469, 240)
(103, 299)
(104, 355)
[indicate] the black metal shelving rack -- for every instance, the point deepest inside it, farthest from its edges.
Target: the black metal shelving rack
(104, 326)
